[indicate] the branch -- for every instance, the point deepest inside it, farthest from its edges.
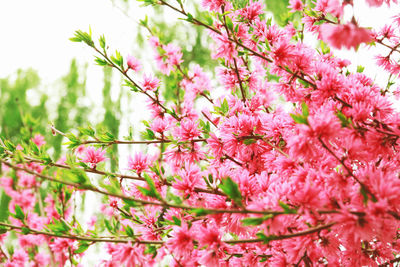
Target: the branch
(255, 53)
(81, 238)
(124, 73)
(135, 240)
(349, 172)
(124, 142)
(118, 175)
(139, 201)
(281, 237)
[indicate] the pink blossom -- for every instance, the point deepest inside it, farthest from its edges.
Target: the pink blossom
(160, 125)
(377, 3)
(181, 243)
(215, 5)
(225, 48)
(348, 35)
(189, 177)
(39, 140)
(42, 259)
(128, 254)
(296, 5)
(252, 11)
(20, 257)
(150, 83)
(94, 156)
(139, 162)
(330, 6)
(188, 130)
(209, 236)
(294, 129)
(60, 247)
(154, 41)
(80, 150)
(133, 63)
(173, 53)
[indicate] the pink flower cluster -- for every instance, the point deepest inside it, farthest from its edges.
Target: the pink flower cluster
(292, 159)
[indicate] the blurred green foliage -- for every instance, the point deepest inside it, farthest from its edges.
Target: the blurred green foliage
(280, 11)
(16, 109)
(70, 113)
(25, 110)
(112, 115)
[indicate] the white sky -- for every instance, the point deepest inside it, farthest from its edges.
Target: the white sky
(35, 33)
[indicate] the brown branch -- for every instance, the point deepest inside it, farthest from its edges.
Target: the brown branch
(81, 238)
(389, 263)
(281, 237)
(139, 201)
(156, 242)
(348, 170)
(124, 73)
(255, 53)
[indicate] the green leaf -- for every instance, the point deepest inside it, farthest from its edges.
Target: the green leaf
(256, 220)
(325, 49)
(19, 214)
(176, 220)
(229, 23)
(343, 119)
(106, 137)
(200, 211)
(129, 231)
(360, 69)
(305, 110)
(81, 36)
(152, 191)
(100, 61)
(189, 17)
(132, 87)
(144, 22)
(364, 193)
(148, 135)
(117, 59)
(130, 203)
(252, 221)
(72, 137)
(89, 131)
(205, 126)
(286, 208)
(266, 239)
(173, 197)
(25, 230)
(75, 175)
(83, 246)
(34, 148)
(224, 107)
(299, 119)
(10, 146)
(58, 226)
(46, 159)
(108, 226)
(102, 41)
(113, 187)
(249, 141)
(151, 249)
(231, 189)
(147, 2)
